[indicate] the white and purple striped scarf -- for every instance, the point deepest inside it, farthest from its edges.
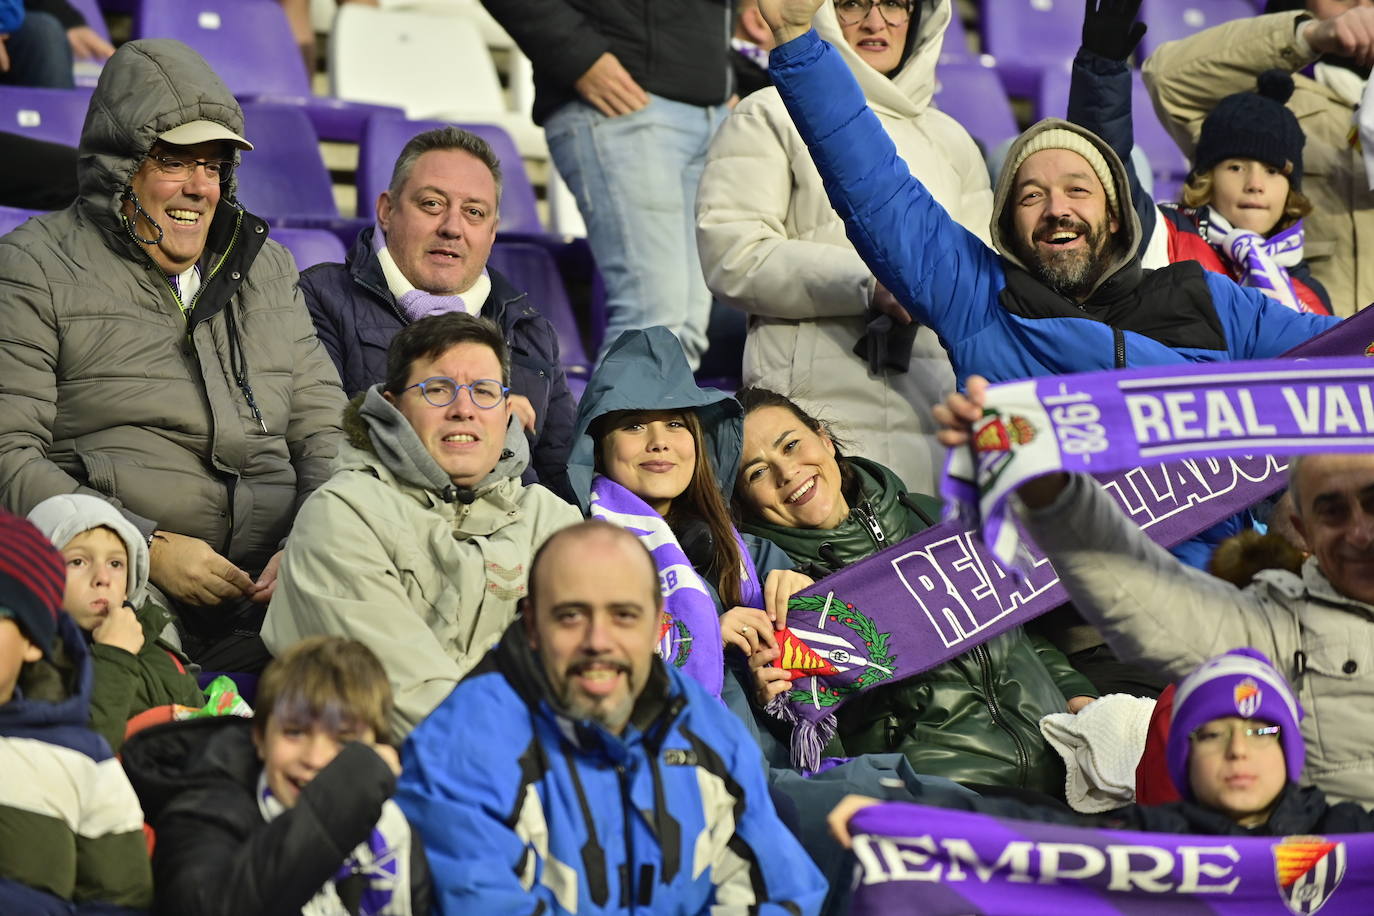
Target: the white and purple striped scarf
(690, 639)
(383, 861)
(1262, 262)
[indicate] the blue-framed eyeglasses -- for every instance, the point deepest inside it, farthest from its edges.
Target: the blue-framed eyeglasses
(441, 391)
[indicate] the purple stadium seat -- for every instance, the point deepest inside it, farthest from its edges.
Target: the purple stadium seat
(1028, 37)
(531, 268)
(310, 246)
(12, 217)
(972, 95)
(1167, 162)
(385, 136)
(55, 115)
(249, 44)
(90, 11)
(955, 47)
(284, 179)
(1172, 19)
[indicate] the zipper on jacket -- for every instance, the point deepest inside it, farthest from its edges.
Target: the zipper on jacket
(1119, 337)
(628, 896)
(864, 513)
(981, 653)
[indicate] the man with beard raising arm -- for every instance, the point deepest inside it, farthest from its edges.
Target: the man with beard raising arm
(1064, 290)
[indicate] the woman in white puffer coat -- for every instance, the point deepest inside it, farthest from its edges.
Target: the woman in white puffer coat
(772, 246)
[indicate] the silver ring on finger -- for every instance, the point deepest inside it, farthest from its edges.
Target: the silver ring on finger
(745, 630)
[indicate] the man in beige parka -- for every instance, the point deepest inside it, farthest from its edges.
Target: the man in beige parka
(772, 246)
(1188, 77)
(420, 544)
(157, 354)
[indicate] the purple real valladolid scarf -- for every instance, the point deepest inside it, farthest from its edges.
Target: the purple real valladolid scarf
(939, 593)
(956, 863)
(691, 637)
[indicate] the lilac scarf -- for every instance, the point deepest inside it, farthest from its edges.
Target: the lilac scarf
(690, 639)
(1262, 262)
(416, 303)
(916, 859)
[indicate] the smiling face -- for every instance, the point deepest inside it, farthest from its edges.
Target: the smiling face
(1237, 774)
(1249, 193)
(593, 617)
(651, 453)
(464, 439)
(293, 753)
(1336, 519)
(441, 225)
(788, 473)
(97, 576)
(183, 209)
(878, 44)
(1061, 225)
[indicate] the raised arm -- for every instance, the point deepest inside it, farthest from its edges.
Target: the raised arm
(941, 272)
(1100, 90)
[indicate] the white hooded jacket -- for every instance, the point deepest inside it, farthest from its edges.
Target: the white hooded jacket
(772, 246)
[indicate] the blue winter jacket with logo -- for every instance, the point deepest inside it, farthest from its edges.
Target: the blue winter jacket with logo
(524, 810)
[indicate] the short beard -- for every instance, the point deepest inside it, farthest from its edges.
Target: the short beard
(1071, 274)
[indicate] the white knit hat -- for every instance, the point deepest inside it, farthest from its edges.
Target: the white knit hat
(1061, 138)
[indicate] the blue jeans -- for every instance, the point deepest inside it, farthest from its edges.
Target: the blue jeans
(635, 180)
(40, 54)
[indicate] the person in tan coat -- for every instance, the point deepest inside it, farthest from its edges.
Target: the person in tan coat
(1188, 77)
(772, 246)
(420, 543)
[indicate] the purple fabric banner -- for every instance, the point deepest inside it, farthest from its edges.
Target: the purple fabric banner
(1101, 422)
(938, 594)
(915, 859)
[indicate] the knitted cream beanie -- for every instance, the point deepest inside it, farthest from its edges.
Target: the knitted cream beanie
(1060, 138)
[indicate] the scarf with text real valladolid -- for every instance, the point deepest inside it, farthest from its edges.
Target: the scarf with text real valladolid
(690, 636)
(939, 593)
(382, 862)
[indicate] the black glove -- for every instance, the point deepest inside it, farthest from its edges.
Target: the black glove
(1110, 28)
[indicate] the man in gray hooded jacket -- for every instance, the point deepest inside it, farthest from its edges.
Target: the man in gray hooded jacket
(420, 544)
(158, 355)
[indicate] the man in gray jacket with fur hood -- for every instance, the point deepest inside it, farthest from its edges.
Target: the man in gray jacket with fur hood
(158, 355)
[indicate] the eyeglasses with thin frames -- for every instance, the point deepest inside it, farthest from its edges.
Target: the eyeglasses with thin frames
(1216, 738)
(181, 168)
(442, 391)
(853, 12)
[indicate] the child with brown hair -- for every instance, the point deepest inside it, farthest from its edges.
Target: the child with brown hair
(289, 812)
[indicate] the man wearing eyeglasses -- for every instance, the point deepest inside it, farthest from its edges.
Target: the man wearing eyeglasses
(420, 543)
(157, 354)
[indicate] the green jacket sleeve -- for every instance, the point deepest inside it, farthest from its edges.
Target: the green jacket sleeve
(1066, 677)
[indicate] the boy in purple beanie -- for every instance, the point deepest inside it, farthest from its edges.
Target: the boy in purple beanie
(1234, 752)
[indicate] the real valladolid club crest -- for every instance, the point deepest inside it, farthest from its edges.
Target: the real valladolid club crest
(674, 642)
(1247, 697)
(1308, 869)
(995, 442)
(830, 649)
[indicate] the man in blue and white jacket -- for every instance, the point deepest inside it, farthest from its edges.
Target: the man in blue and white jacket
(1064, 290)
(573, 773)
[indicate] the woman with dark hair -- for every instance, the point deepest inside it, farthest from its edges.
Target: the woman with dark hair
(646, 445)
(976, 718)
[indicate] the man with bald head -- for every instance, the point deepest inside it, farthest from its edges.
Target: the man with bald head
(1317, 625)
(1064, 290)
(574, 715)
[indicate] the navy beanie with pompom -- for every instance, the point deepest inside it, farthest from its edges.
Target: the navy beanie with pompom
(1254, 125)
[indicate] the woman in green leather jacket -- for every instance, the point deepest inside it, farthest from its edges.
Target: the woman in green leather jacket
(976, 718)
